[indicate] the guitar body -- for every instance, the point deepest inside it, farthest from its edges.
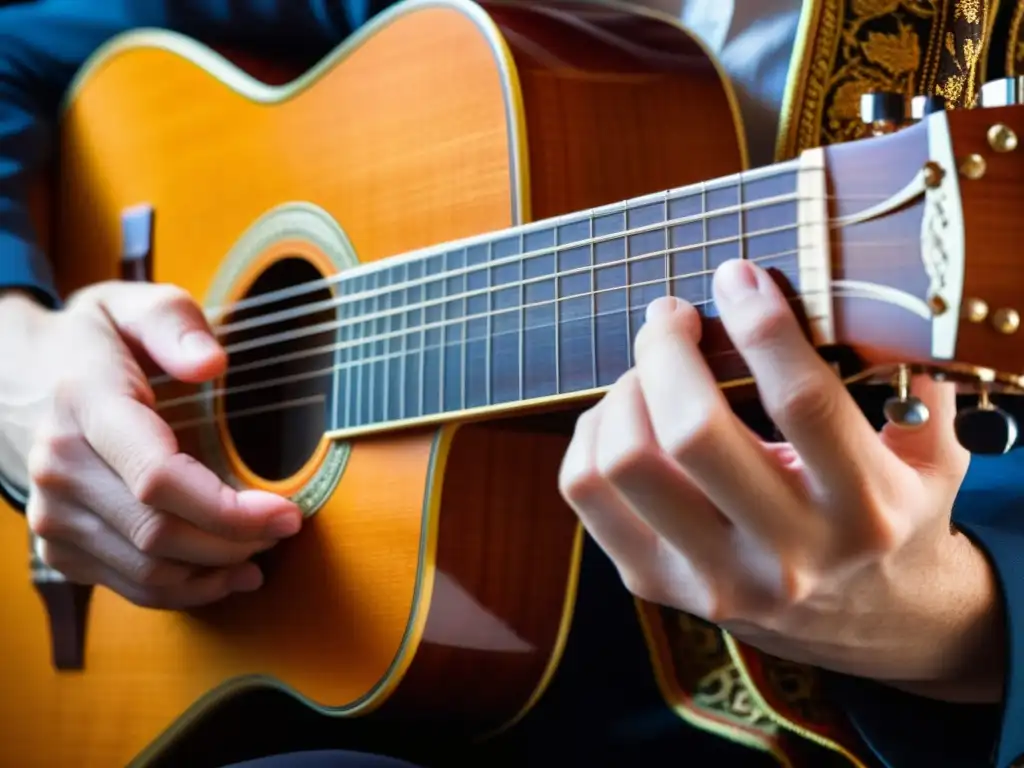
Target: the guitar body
(435, 579)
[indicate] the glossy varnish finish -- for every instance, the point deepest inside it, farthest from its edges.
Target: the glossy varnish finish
(444, 559)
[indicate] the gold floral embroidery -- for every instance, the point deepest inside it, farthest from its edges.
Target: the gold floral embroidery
(1015, 45)
(852, 47)
(969, 10)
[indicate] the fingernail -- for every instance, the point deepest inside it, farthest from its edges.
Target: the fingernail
(248, 578)
(284, 525)
(198, 345)
(736, 280)
(661, 307)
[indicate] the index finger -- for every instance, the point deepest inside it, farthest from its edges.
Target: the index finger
(142, 450)
(801, 393)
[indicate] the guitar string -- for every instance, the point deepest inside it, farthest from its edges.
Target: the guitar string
(733, 181)
(422, 328)
(520, 284)
(376, 293)
(513, 260)
(231, 414)
(421, 350)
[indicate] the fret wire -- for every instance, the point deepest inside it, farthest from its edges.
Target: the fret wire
(346, 334)
(488, 398)
(668, 253)
(704, 240)
(441, 368)
(387, 363)
(522, 318)
(358, 352)
(557, 320)
(465, 338)
(629, 299)
(593, 301)
(335, 405)
(403, 368)
(423, 357)
(739, 223)
(372, 373)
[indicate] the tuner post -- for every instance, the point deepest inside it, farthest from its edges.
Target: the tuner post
(1003, 92)
(882, 112)
(922, 106)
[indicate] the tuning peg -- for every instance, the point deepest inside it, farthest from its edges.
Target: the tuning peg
(922, 106)
(1003, 92)
(882, 111)
(903, 409)
(986, 429)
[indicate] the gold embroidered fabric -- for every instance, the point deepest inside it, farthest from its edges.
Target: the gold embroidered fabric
(745, 702)
(849, 47)
(1014, 63)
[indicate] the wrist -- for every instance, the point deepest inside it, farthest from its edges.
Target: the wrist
(24, 321)
(973, 642)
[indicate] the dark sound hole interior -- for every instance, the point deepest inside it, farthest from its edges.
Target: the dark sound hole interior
(278, 419)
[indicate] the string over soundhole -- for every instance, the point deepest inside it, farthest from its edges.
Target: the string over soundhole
(277, 395)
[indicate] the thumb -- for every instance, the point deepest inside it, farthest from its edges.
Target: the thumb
(934, 447)
(166, 324)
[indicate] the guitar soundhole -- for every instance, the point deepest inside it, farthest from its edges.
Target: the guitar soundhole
(279, 386)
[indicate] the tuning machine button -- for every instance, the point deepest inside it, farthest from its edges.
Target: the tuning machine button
(986, 429)
(882, 111)
(922, 106)
(1003, 92)
(903, 409)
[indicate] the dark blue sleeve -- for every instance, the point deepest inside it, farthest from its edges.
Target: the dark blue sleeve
(906, 730)
(43, 43)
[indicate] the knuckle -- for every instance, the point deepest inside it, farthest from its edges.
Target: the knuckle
(574, 485)
(644, 585)
(808, 400)
(172, 299)
(57, 557)
(44, 520)
(150, 532)
(798, 582)
(693, 432)
(47, 464)
(152, 573)
(146, 483)
(763, 327)
(880, 531)
(621, 462)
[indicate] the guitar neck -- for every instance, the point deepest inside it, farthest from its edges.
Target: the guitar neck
(549, 311)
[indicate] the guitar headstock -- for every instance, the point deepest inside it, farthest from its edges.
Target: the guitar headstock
(927, 249)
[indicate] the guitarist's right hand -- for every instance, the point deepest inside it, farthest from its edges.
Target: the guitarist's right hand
(112, 499)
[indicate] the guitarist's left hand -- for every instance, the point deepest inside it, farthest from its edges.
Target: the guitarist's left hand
(834, 549)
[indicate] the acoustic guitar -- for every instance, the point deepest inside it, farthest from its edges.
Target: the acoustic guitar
(422, 255)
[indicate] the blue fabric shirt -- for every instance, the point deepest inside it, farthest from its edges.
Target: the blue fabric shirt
(43, 43)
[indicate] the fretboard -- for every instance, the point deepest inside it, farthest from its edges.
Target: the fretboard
(549, 309)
